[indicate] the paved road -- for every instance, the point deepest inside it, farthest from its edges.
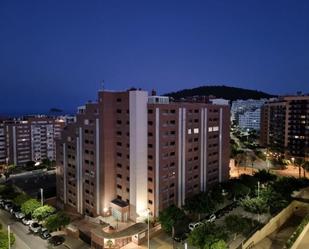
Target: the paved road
(24, 239)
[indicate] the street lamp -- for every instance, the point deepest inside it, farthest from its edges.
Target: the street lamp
(148, 214)
(9, 237)
(41, 191)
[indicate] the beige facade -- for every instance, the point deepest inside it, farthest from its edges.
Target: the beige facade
(130, 151)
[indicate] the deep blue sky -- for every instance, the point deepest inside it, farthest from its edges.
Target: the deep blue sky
(55, 53)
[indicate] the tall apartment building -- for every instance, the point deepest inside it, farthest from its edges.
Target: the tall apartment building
(130, 151)
(250, 119)
(246, 113)
(2, 144)
(285, 125)
(29, 139)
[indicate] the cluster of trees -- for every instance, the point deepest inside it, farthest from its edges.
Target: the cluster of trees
(45, 214)
(208, 236)
(237, 224)
(32, 208)
(4, 240)
(273, 195)
(261, 193)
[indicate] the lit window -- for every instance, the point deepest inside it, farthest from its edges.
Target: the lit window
(195, 130)
(189, 131)
(215, 128)
(210, 129)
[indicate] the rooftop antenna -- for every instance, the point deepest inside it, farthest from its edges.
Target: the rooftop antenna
(102, 84)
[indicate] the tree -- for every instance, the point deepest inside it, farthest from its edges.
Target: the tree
(29, 206)
(9, 170)
(206, 235)
(299, 163)
(216, 194)
(220, 244)
(248, 181)
(264, 176)
(256, 205)
(235, 224)
(8, 191)
(305, 167)
(56, 221)
(21, 199)
(199, 204)
(30, 165)
(252, 159)
(169, 216)
(4, 239)
(43, 212)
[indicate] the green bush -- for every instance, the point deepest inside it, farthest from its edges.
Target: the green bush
(297, 232)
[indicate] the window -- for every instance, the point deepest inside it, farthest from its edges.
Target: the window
(196, 130)
(189, 131)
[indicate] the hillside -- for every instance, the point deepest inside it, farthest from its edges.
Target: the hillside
(226, 92)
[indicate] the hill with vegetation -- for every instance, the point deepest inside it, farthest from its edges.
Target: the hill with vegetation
(225, 92)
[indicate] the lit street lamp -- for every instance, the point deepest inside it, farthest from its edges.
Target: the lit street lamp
(42, 200)
(9, 237)
(148, 214)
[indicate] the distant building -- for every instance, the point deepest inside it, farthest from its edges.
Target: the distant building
(246, 113)
(2, 144)
(29, 138)
(220, 101)
(250, 119)
(285, 125)
(130, 151)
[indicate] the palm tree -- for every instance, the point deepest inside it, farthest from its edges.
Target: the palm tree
(299, 161)
(305, 167)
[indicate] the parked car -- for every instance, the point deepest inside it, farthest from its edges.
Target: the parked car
(19, 215)
(180, 238)
(35, 227)
(194, 225)
(8, 206)
(211, 218)
(56, 240)
(14, 209)
(27, 221)
(44, 234)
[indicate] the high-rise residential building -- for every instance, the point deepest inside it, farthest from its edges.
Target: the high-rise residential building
(285, 125)
(2, 144)
(246, 113)
(29, 138)
(250, 119)
(130, 151)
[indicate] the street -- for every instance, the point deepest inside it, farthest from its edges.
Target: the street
(24, 239)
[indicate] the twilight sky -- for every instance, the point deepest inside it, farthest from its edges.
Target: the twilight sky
(54, 53)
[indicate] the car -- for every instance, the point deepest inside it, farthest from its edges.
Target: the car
(8, 206)
(56, 240)
(211, 218)
(19, 215)
(194, 225)
(35, 227)
(180, 238)
(26, 221)
(14, 209)
(45, 235)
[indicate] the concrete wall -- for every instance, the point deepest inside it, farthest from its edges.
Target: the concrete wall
(273, 224)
